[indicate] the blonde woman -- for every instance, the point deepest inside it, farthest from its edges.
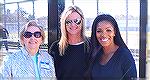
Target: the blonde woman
(70, 52)
(29, 62)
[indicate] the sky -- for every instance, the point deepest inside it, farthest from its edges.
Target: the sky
(41, 8)
(114, 7)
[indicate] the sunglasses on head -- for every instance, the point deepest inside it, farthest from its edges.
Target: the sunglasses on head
(29, 34)
(76, 21)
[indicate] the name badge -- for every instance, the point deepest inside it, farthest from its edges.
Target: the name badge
(45, 65)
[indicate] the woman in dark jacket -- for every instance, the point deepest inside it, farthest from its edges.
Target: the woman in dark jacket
(111, 58)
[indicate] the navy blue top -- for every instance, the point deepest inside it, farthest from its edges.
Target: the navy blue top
(72, 65)
(121, 66)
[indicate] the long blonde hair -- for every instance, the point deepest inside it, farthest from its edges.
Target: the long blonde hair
(63, 43)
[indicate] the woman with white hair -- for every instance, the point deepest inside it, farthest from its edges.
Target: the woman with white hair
(29, 62)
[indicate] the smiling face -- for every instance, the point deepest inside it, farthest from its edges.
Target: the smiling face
(74, 24)
(105, 33)
(32, 43)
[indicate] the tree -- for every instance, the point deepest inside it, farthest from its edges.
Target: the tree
(30, 17)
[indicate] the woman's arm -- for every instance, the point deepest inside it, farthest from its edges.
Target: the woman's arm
(6, 70)
(129, 67)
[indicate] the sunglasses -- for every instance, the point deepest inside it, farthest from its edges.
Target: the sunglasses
(29, 34)
(76, 21)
